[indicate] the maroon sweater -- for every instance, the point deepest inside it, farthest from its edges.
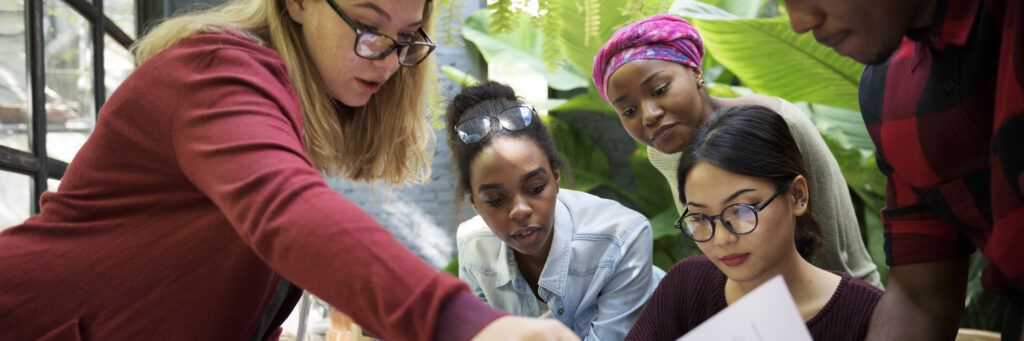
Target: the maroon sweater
(694, 290)
(191, 198)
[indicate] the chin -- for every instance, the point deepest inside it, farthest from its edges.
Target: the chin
(353, 100)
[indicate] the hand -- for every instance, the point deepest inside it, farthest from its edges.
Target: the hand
(515, 328)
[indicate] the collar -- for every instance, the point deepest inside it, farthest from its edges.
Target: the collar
(952, 25)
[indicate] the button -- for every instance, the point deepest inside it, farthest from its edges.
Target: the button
(561, 311)
(949, 85)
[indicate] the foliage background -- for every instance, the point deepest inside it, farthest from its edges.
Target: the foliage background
(750, 47)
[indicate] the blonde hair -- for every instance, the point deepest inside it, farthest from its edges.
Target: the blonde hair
(385, 140)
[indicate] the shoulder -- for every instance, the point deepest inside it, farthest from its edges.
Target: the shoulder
(474, 228)
(693, 271)
(226, 53)
(591, 214)
(857, 290)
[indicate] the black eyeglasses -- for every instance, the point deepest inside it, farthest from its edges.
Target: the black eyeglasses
(739, 219)
(372, 45)
(474, 129)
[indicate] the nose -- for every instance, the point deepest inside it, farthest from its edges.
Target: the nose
(723, 237)
(652, 113)
(389, 64)
(803, 17)
(521, 209)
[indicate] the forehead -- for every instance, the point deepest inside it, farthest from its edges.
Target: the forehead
(709, 184)
(506, 160)
(400, 11)
(629, 75)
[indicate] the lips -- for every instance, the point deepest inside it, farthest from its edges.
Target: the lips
(370, 86)
(527, 236)
(830, 40)
(735, 259)
(657, 133)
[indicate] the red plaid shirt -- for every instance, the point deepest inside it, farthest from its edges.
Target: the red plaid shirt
(946, 112)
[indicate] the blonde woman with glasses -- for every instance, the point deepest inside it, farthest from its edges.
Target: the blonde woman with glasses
(198, 208)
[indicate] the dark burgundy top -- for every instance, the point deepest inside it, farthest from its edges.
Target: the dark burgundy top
(694, 290)
(193, 196)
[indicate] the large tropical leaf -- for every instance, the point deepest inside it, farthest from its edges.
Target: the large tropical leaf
(652, 195)
(844, 132)
(588, 101)
(523, 45)
(587, 25)
(769, 58)
(586, 159)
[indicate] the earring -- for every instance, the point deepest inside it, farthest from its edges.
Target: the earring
(700, 83)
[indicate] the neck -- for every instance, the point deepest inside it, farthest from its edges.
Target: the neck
(795, 270)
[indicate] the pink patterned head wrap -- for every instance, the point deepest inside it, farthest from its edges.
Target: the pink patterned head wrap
(663, 36)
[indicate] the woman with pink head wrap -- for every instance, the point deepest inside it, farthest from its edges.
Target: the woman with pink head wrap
(650, 73)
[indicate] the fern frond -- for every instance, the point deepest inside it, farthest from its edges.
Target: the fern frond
(592, 20)
(449, 22)
(503, 20)
(633, 9)
(550, 24)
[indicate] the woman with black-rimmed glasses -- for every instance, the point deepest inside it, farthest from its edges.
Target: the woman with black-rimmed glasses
(198, 208)
(535, 249)
(743, 182)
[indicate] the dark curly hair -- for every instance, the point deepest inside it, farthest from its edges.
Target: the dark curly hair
(488, 99)
(753, 141)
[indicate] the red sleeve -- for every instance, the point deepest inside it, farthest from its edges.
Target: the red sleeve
(237, 137)
(913, 232)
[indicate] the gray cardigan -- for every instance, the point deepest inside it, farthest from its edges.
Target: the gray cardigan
(842, 248)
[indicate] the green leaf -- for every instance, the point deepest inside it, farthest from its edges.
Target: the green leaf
(663, 224)
(586, 159)
(844, 132)
(693, 9)
(462, 78)
(746, 9)
(770, 59)
(652, 195)
(589, 101)
(523, 45)
(452, 267)
(580, 48)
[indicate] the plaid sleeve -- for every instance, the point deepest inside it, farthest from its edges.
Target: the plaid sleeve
(914, 233)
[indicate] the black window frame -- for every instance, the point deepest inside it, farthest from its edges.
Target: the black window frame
(37, 164)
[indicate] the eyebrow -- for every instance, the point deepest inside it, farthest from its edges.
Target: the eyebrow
(730, 198)
(647, 80)
(380, 11)
(527, 176)
(533, 173)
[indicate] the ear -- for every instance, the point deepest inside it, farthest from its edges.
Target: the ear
(557, 179)
(799, 196)
(296, 9)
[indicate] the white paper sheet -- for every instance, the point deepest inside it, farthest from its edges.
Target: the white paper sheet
(767, 313)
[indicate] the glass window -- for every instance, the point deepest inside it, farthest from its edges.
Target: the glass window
(117, 64)
(14, 93)
(70, 111)
(15, 198)
(52, 184)
(122, 13)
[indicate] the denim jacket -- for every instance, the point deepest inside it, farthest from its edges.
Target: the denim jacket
(597, 277)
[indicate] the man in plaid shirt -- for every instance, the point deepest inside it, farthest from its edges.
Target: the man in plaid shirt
(943, 100)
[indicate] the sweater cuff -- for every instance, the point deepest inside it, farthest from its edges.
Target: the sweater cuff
(463, 316)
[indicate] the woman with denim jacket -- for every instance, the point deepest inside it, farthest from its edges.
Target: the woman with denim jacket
(535, 249)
